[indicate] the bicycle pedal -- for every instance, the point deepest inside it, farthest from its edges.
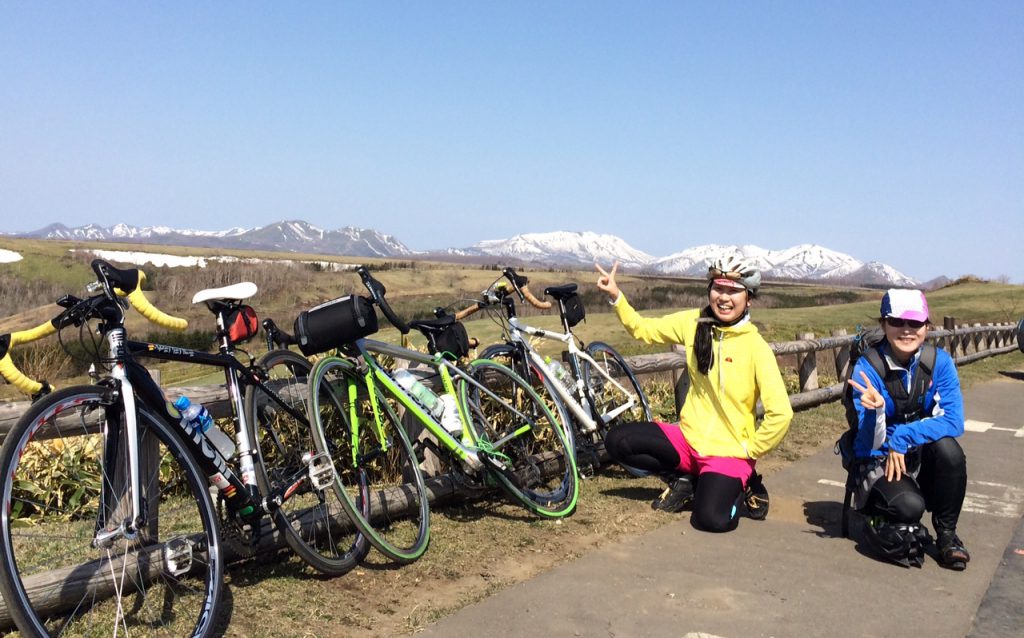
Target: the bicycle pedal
(178, 556)
(586, 471)
(321, 471)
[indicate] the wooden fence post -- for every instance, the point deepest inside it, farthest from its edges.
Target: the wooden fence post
(977, 338)
(680, 380)
(949, 323)
(808, 365)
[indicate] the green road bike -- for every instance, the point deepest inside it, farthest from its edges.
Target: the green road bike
(504, 433)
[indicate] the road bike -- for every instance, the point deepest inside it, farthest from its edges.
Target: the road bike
(598, 388)
(108, 525)
(504, 434)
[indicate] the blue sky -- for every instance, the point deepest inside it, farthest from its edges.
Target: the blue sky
(892, 131)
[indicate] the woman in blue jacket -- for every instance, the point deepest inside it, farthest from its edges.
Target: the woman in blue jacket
(908, 437)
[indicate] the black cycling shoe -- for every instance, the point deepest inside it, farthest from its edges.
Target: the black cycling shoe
(952, 553)
(755, 496)
(676, 496)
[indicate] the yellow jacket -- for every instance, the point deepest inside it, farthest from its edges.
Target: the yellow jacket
(718, 416)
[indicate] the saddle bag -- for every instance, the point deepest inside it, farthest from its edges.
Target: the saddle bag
(241, 324)
(573, 310)
(452, 341)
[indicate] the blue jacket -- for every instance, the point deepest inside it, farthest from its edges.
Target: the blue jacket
(876, 435)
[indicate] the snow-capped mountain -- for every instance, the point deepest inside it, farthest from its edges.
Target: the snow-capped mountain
(806, 261)
(875, 273)
(561, 248)
(802, 262)
(286, 236)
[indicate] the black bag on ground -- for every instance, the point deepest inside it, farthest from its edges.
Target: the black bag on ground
(335, 323)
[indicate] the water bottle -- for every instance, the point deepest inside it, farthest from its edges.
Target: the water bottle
(199, 417)
(450, 417)
(559, 372)
(420, 392)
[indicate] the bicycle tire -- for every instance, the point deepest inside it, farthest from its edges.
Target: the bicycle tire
(312, 520)
(533, 465)
(165, 581)
(603, 396)
(380, 487)
(512, 357)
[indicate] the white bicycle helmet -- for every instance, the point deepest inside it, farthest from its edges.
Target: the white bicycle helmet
(738, 269)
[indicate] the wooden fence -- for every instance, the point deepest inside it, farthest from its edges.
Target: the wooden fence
(966, 343)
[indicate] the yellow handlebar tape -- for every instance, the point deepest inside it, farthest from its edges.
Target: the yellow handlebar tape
(25, 336)
(154, 314)
(16, 378)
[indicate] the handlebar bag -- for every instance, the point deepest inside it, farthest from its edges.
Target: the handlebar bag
(335, 323)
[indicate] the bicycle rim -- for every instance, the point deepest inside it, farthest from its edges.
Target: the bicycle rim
(312, 518)
(63, 479)
(377, 476)
(607, 398)
(541, 382)
(527, 445)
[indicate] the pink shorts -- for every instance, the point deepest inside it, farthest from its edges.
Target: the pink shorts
(692, 463)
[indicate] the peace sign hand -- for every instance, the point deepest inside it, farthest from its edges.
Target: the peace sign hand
(870, 398)
(606, 281)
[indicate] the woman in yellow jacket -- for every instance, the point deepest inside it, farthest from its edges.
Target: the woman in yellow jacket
(708, 460)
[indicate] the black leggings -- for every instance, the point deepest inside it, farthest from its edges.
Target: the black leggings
(645, 446)
(940, 487)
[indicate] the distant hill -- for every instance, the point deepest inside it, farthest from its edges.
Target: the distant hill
(805, 262)
(284, 236)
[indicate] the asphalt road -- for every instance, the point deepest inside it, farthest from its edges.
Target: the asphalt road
(792, 574)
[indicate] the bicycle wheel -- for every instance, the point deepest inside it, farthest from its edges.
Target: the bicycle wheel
(521, 441)
(607, 400)
(377, 474)
(64, 466)
(312, 518)
(512, 358)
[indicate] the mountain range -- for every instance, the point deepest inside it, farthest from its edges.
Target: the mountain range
(806, 262)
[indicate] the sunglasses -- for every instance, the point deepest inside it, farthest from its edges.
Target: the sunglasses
(896, 322)
(721, 274)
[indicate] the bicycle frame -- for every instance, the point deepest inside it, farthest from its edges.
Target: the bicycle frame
(241, 491)
(579, 405)
(465, 450)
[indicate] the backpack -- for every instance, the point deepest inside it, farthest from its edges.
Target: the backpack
(909, 405)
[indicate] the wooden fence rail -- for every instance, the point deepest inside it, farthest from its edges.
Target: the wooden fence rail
(965, 343)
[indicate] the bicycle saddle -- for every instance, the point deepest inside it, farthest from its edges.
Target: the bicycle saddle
(234, 292)
(561, 292)
(432, 325)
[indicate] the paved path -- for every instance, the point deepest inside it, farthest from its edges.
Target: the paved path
(792, 575)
